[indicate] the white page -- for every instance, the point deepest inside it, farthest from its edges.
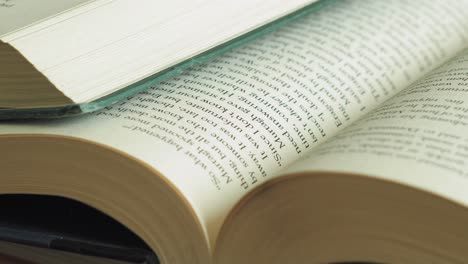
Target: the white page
(17, 14)
(116, 44)
(419, 138)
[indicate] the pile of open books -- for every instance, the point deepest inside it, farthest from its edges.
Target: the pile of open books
(342, 136)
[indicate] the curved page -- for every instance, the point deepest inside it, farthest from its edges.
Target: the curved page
(104, 51)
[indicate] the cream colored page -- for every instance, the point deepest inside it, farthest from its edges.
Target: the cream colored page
(223, 128)
(103, 49)
(420, 137)
(16, 14)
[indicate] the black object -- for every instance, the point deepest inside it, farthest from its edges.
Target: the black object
(67, 229)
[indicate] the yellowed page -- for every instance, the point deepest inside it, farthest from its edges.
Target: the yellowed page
(223, 128)
(419, 137)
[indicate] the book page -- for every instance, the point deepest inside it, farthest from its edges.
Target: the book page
(221, 129)
(16, 14)
(100, 50)
(419, 137)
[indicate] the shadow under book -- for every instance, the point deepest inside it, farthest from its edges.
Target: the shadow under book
(47, 229)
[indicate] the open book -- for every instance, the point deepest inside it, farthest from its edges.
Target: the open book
(341, 137)
(69, 57)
